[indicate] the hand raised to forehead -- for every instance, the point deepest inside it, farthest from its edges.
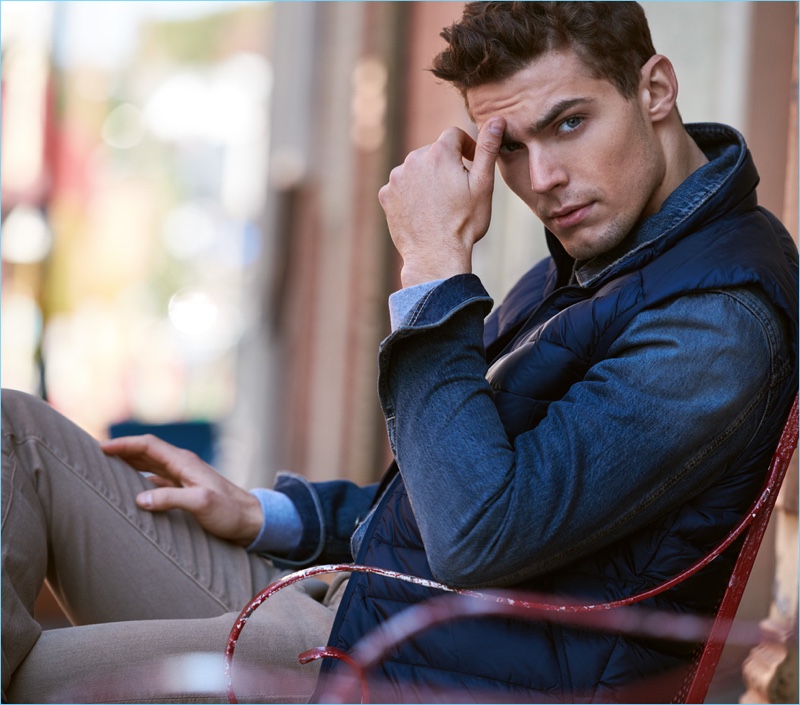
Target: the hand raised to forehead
(437, 207)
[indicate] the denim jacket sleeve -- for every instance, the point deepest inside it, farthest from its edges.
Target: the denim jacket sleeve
(330, 512)
(496, 512)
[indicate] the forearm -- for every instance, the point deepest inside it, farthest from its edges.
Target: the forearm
(507, 509)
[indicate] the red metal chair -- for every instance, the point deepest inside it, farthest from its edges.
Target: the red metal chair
(613, 615)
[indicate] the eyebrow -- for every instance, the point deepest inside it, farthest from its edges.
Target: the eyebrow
(551, 115)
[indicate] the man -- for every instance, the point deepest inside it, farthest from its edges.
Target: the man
(602, 429)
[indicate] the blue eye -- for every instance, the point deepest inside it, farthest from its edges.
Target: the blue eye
(570, 124)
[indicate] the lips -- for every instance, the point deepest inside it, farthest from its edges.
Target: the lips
(570, 216)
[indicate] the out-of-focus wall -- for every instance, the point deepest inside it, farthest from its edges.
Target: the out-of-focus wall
(307, 398)
(133, 166)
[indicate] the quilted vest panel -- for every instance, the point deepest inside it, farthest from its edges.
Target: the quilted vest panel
(542, 341)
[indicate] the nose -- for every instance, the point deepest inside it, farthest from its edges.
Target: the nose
(546, 171)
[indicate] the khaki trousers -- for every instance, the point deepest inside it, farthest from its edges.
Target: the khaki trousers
(152, 596)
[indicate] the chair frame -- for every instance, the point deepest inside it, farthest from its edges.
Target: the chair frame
(371, 649)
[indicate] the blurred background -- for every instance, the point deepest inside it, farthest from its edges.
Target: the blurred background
(191, 237)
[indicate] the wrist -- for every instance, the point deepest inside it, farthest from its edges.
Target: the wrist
(422, 270)
(251, 520)
(282, 526)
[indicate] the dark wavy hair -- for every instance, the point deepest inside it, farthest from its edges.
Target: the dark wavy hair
(494, 40)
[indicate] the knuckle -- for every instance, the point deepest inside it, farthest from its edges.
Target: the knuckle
(187, 456)
(411, 160)
(205, 498)
(418, 155)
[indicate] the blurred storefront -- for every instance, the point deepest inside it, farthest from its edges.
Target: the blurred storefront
(134, 154)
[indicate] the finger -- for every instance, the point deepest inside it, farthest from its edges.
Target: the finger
(192, 499)
(457, 140)
(134, 450)
(148, 453)
(487, 149)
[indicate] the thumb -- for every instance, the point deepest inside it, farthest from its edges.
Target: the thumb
(487, 148)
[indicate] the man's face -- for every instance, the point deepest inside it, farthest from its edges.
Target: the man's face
(583, 158)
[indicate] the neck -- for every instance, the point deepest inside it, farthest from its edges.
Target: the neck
(682, 156)
(685, 156)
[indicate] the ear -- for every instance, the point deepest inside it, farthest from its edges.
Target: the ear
(658, 88)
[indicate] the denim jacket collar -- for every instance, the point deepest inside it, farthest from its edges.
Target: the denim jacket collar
(726, 151)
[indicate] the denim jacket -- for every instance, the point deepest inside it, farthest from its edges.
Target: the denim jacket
(490, 487)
